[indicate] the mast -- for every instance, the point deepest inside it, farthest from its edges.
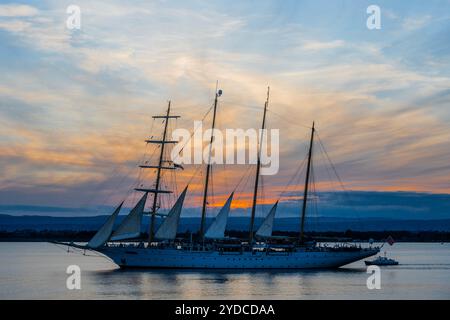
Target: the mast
(156, 190)
(258, 167)
(158, 177)
(305, 194)
(208, 167)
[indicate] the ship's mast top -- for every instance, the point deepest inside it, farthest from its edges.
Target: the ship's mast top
(305, 193)
(208, 165)
(258, 168)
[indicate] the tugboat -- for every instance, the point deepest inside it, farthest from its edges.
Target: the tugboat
(382, 261)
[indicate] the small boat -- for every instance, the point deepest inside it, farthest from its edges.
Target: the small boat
(382, 261)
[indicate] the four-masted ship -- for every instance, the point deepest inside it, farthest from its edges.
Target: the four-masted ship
(211, 249)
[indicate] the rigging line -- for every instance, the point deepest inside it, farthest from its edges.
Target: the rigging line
(295, 176)
(139, 178)
(162, 201)
(288, 120)
(173, 173)
(319, 163)
(151, 127)
(175, 184)
(234, 102)
(325, 165)
(126, 174)
(346, 192)
(167, 178)
(100, 186)
(262, 195)
(331, 163)
(247, 179)
(224, 168)
(242, 177)
(246, 182)
(213, 193)
(106, 198)
(194, 174)
(316, 196)
(195, 130)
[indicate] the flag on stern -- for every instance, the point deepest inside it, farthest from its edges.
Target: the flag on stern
(390, 240)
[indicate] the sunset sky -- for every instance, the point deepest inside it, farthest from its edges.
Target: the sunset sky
(76, 105)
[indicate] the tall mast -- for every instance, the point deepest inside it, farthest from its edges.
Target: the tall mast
(156, 190)
(158, 176)
(208, 167)
(258, 167)
(305, 193)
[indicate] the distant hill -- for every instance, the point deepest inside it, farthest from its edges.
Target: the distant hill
(367, 205)
(39, 223)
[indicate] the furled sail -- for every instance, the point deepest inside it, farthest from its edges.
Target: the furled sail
(105, 231)
(217, 229)
(169, 227)
(265, 230)
(131, 225)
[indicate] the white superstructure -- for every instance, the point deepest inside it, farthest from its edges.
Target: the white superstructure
(301, 258)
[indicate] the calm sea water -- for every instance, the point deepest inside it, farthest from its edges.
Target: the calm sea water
(38, 271)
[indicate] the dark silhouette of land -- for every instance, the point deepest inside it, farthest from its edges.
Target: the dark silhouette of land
(48, 228)
(83, 236)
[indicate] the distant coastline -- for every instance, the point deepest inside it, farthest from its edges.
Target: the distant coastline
(48, 228)
(378, 236)
(238, 223)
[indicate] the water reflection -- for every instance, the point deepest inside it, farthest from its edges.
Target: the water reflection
(216, 284)
(38, 271)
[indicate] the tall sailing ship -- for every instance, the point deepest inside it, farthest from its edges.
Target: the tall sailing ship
(211, 249)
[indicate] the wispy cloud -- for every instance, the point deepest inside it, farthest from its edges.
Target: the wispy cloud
(414, 23)
(17, 10)
(76, 105)
(319, 45)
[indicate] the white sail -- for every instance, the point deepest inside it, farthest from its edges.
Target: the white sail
(131, 225)
(265, 230)
(217, 229)
(105, 231)
(169, 227)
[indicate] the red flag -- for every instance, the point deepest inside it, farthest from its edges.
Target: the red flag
(390, 240)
